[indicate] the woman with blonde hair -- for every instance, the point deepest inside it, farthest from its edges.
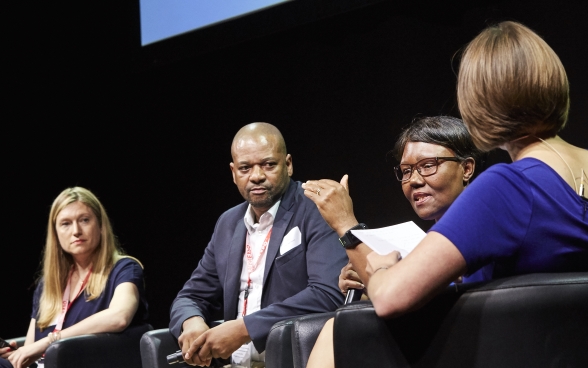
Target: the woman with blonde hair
(525, 217)
(87, 286)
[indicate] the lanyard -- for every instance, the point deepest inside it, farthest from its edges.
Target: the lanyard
(65, 303)
(252, 266)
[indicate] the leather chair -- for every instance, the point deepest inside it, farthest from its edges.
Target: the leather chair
(537, 320)
(116, 350)
(156, 345)
(290, 342)
(278, 349)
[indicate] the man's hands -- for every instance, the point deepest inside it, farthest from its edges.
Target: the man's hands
(192, 328)
(200, 344)
(349, 279)
(333, 202)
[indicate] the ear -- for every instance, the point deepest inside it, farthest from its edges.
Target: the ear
(232, 165)
(289, 164)
(469, 166)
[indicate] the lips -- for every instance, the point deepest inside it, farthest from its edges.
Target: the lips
(78, 241)
(258, 190)
(420, 198)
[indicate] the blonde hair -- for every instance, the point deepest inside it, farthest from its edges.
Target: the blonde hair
(511, 84)
(57, 263)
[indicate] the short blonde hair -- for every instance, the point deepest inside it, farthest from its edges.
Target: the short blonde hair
(57, 263)
(511, 84)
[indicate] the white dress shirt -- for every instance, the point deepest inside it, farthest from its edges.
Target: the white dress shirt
(256, 234)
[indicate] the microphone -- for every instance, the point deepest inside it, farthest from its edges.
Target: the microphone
(176, 357)
(353, 295)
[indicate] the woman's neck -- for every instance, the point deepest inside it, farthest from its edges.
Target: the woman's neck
(82, 265)
(529, 146)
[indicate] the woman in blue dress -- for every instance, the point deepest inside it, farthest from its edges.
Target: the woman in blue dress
(525, 217)
(87, 286)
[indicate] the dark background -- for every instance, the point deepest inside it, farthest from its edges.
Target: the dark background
(150, 134)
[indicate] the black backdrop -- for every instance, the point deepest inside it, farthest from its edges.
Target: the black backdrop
(153, 143)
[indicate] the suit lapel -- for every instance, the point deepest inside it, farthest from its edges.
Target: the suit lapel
(233, 270)
(283, 217)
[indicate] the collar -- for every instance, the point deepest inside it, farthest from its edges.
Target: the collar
(265, 221)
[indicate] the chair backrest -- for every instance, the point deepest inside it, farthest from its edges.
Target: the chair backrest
(156, 345)
(115, 350)
(278, 349)
(537, 320)
(305, 332)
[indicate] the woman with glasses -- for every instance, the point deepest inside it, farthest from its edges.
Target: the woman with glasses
(525, 217)
(437, 161)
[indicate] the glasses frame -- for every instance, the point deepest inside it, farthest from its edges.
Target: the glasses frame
(398, 172)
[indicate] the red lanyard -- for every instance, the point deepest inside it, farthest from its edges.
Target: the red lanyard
(252, 266)
(65, 303)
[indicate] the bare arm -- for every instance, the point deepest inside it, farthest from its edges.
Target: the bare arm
(336, 207)
(408, 284)
(115, 318)
(30, 337)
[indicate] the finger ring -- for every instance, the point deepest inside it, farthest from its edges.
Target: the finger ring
(318, 191)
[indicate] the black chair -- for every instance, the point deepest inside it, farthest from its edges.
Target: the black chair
(537, 320)
(290, 342)
(116, 350)
(278, 348)
(156, 345)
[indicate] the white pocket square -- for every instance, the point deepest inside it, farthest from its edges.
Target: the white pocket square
(291, 240)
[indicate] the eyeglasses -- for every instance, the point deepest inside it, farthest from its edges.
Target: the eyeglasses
(425, 167)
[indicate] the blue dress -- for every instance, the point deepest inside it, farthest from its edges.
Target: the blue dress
(519, 218)
(125, 270)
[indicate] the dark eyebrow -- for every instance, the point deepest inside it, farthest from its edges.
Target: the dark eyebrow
(419, 158)
(265, 159)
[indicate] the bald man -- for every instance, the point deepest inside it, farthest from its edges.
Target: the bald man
(270, 258)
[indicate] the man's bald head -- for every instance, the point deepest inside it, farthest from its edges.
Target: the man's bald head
(259, 132)
(261, 167)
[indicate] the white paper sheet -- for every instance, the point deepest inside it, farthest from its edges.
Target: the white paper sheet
(402, 237)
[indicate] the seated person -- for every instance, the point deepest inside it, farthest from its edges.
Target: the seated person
(270, 258)
(88, 284)
(444, 157)
(525, 217)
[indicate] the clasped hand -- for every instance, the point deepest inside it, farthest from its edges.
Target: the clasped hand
(200, 343)
(349, 279)
(25, 355)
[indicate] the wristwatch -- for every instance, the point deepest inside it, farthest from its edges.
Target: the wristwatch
(348, 240)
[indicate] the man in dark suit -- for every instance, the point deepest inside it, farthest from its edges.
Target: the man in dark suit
(270, 258)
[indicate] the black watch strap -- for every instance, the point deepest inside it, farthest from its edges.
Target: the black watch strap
(348, 240)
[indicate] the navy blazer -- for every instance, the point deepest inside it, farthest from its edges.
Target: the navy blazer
(303, 280)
